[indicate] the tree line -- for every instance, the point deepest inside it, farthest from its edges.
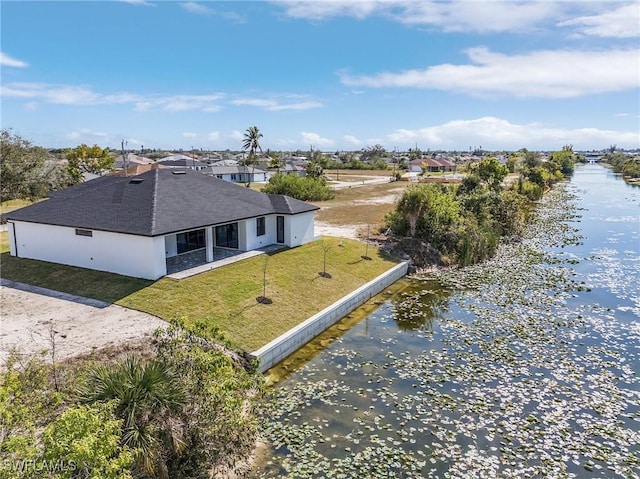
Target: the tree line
(465, 222)
(28, 171)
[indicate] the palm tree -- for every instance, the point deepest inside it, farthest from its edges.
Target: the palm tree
(148, 399)
(411, 205)
(251, 143)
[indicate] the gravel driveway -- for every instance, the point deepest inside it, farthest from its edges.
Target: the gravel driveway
(29, 315)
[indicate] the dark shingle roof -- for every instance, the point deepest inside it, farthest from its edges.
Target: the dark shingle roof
(155, 203)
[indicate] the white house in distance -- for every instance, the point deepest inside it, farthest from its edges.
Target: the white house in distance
(134, 225)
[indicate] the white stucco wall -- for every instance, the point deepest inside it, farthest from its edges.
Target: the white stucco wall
(269, 237)
(298, 229)
(130, 255)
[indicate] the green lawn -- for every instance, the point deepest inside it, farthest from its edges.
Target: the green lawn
(225, 297)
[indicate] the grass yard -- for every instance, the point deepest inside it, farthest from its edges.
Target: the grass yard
(11, 205)
(224, 298)
(357, 175)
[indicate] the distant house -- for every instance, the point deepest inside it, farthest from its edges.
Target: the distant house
(431, 165)
(292, 168)
(137, 169)
(132, 159)
(135, 225)
(239, 174)
(182, 163)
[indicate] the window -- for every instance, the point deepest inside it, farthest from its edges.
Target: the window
(81, 232)
(190, 241)
(227, 236)
(260, 226)
(280, 229)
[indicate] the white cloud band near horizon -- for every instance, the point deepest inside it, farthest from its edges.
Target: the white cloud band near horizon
(540, 74)
(499, 134)
(84, 96)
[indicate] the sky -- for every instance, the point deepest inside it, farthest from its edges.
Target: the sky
(328, 75)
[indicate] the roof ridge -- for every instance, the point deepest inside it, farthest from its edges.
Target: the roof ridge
(154, 200)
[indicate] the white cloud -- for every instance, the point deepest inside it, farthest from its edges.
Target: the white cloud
(274, 105)
(497, 134)
(623, 22)
(495, 16)
(86, 135)
(61, 94)
(142, 3)
(457, 15)
(237, 135)
(176, 103)
(7, 61)
(80, 95)
(477, 16)
(189, 134)
(195, 7)
(352, 140)
(320, 10)
(316, 140)
(551, 74)
(214, 136)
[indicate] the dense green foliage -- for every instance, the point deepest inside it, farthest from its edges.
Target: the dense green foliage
(85, 442)
(465, 223)
(186, 410)
(88, 159)
(621, 163)
(302, 188)
(24, 173)
(537, 176)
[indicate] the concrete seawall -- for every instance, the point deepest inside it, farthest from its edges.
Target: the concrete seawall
(281, 347)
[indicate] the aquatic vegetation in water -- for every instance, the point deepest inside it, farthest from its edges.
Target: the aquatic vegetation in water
(516, 367)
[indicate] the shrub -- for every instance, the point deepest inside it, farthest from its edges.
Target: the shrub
(301, 188)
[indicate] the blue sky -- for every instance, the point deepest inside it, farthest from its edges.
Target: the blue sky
(339, 75)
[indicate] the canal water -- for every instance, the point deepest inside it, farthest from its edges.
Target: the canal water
(524, 366)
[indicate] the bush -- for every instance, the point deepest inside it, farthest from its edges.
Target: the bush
(301, 188)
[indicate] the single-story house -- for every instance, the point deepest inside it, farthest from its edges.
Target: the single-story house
(239, 174)
(135, 225)
(431, 165)
(190, 163)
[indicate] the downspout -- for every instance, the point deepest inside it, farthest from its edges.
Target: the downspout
(15, 239)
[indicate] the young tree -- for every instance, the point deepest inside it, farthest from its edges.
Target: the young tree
(22, 168)
(88, 159)
(326, 247)
(251, 143)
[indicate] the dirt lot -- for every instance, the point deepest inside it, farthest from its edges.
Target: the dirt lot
(30, 318)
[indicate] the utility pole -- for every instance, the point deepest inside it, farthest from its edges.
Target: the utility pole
(124, 156)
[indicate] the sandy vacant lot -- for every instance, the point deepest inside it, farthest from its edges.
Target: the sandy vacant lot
(29, 315)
